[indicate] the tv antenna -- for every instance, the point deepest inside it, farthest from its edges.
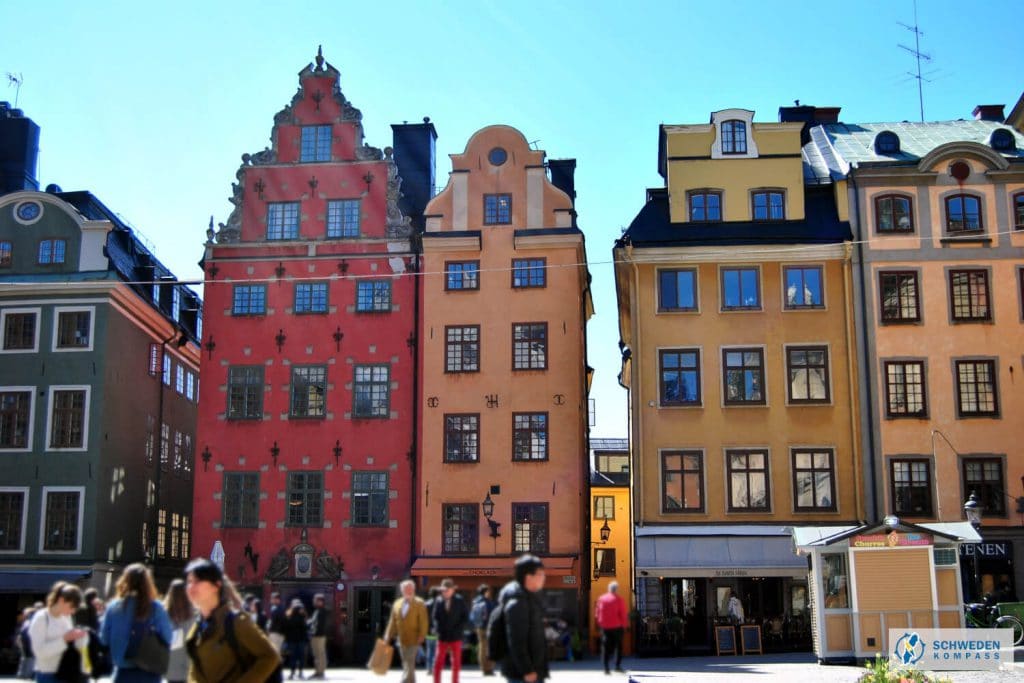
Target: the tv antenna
(916, 51)
(15, 80)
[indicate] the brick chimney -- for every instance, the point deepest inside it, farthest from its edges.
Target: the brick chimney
(989, 112)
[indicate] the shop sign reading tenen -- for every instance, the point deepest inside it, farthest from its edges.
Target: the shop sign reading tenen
(891, 540)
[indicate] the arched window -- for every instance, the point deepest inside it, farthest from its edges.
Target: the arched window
(1002, 140)
(893, 213)
(963, 213)
(1018, 211)
(734, 137)
(887, 142)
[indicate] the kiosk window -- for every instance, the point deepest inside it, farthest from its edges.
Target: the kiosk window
(834, 581)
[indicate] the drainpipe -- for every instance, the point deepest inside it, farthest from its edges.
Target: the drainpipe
(413, 450)
(851, 381)
(583, 609)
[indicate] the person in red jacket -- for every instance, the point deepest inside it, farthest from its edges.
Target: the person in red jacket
(610, 614)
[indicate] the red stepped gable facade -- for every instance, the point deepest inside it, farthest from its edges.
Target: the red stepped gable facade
(306, 423)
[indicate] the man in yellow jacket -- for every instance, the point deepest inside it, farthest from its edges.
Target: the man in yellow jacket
(408, 624)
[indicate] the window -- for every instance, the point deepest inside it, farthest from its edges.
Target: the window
(604, 561)
(179, 379)
(6, 254)
(899, 297)
(282, 220)
(529, 346)
(1018, 219)
(530, 527)
(968, 295)
(744, 376)
(316, 143)
(179, 451)
(305, 498)
(911, 487)
(814, 480)
(369, 498)
(15, 417)
(462, 349)
(835, 584)
(905, 394)
(372, 391)
(529, 273)
(803, 287)
(497, 209)
(51, 252)
(462, 275)
(741, 289)
(175, 550)
(682, 476)
(613, 464)
(167, 370)
(190, 385)
(186, 541)
(154, 361)
(20, 330)
(12, 520)
(677, 290)
(887, 142)
(245, 392)
(461, 528)
(461, 438)
(680, 377)
(705, 205)
(604, 507)
(62, 510)
(734, 137)
(309, 391)
(807, 367)
(529, 436)
(893, 213)
(150, 438)
(249, 300)
(165, 446)
(769, 206)
(984, 478)
(373, 296)
(74, 329)
(67, 421)
(343, 218)
(748, 480)
(976, 388)
(311, 297)
(963, 213)
(241, 500)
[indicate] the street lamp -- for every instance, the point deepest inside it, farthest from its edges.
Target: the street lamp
(972, 511)
(606, 531)
(488, 506)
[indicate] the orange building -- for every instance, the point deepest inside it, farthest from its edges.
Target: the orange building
(503, 437)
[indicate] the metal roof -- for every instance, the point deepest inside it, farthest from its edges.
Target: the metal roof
(601, 444)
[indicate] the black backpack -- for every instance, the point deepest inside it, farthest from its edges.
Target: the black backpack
(497, 634)
(25, 640)
(229, 635)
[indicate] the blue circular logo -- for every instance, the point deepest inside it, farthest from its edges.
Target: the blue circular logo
(909, 648)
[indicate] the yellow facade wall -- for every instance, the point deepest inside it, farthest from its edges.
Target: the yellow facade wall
(737, 178)
(621, 541)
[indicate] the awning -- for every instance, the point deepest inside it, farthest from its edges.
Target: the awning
(486, 566)
(38, 581)
(718, 556)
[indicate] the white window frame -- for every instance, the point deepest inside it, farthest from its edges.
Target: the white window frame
(85, 418)
(42, 518)
(720, 117)
(3, 328)
(32, 416)
(91, 310)
(24, 516)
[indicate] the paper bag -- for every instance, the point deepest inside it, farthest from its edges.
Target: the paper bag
(380, 660)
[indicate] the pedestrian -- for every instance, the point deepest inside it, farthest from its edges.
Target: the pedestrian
(275, 624)
(449, 617)
(430, 644)
(257, 614)
(182, 616)
(133, 614)
(408, 625)
(526, 658)
(52, 631)
(610, 615)
(296, 637)
(224, 645)
(26, 660)
(318, 635)
(479, 614)
(87, 617)
(735, 609)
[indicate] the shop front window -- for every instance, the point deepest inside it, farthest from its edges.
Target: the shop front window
(834, 579)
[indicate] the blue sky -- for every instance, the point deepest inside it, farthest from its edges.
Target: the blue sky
(150, 106)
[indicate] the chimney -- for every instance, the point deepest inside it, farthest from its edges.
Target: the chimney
(19, 150)
(563, 176)
(414, 145)
(809, 116)
(989, 112)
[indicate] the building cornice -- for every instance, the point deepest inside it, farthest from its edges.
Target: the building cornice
(749, 253)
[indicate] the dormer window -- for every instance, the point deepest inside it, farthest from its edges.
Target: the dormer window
(705, 206)
(769, 205)
(1002, 140)
(887, 142)
(734, 137)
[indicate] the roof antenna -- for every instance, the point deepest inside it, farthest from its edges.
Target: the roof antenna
(16, 80)
(916, 51)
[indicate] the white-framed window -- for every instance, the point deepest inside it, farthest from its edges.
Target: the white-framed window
(13, 519)
(19, 330)
(734, 134)
(166, 373)
(17, 416)
(67, 417)
(190, 385)
(179, 378)
(73, 328)
(60, 520)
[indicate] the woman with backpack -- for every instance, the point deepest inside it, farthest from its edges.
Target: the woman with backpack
(224, 646)
(182, 616)
(52, 632)
(135, 627)
(296, 636)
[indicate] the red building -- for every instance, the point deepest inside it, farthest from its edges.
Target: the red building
(306, 429)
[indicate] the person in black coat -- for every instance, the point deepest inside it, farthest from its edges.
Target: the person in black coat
(449, 616)
(526, 658)
(296, 637)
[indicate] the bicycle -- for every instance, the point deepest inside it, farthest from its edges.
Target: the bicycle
(979, 615)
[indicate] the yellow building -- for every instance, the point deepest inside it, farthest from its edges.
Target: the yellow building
(736, 325)
(611, 529)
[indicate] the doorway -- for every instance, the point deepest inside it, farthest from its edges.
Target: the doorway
(372, 609)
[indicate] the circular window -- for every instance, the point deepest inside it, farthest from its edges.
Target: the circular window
(28, 212)
(960, 170)
(497, 156)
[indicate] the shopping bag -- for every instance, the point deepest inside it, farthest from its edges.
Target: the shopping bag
(380, 660)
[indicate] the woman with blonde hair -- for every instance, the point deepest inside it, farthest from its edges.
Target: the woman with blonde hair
(182, 616)
(52, 631)
(134, 616)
